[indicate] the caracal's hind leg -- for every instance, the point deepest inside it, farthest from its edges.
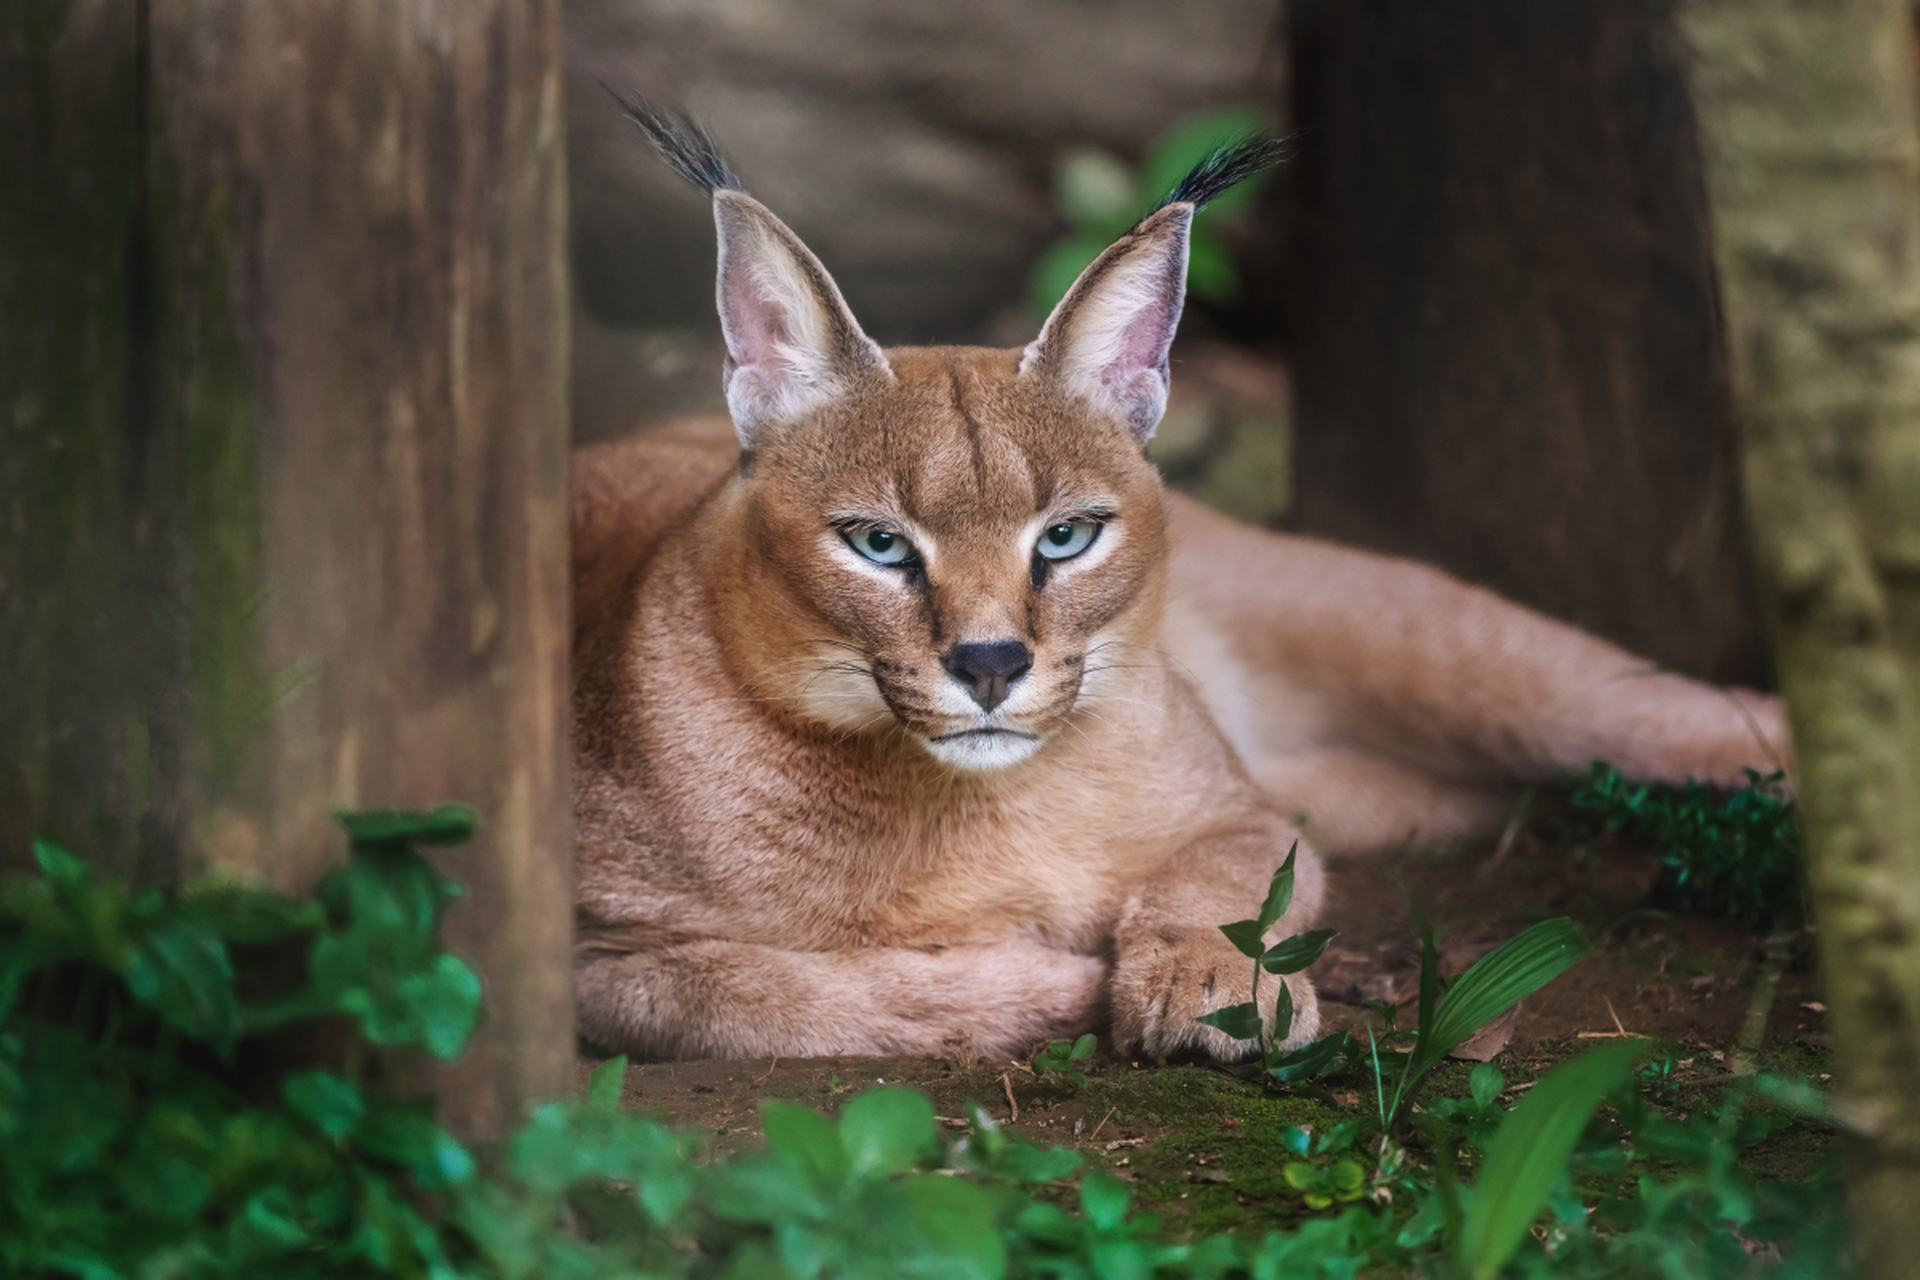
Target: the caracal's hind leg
(1315, 657)
(1350, 800)
(713, 998)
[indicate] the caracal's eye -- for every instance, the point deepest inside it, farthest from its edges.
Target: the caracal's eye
(882, 546)
(1067, 539)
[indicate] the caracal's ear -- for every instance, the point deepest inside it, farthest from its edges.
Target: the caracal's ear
(793, 347)
(792, 344)
(1107, 341)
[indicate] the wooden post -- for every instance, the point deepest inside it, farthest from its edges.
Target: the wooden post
(1507, 356)
(282, 455)
(1813, 166)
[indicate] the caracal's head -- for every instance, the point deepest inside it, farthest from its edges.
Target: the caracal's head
(960, 545)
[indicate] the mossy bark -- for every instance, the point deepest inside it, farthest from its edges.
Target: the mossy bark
(1813, 165)
(283, 325)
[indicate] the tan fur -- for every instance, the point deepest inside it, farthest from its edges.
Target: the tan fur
(776, 859)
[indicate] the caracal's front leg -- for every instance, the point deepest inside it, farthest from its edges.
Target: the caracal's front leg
(1172, 963)
(713, 998)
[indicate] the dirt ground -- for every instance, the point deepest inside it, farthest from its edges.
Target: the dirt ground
(1201, 1144)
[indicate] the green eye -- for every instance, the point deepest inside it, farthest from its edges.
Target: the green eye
(1067, 539)
(882, 546)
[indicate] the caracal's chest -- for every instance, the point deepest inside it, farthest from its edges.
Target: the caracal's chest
(813, 846)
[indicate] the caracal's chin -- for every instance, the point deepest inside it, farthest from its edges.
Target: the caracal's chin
(981, 750)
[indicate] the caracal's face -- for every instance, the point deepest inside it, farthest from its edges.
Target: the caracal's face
(975, 558)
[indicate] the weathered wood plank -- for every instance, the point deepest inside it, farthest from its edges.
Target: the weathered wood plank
(284, 382)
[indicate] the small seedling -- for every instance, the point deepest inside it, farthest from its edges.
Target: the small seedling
(1480, 1113)
(1323, 1172)
(1063, 1058)
(1289, 955)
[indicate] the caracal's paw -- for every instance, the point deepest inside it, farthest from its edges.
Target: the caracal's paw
(1163, 983)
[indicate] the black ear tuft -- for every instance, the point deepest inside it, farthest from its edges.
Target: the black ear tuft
(1226, 165)
(682, 143)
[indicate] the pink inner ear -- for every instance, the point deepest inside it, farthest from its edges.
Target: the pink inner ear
(756, 326)
(1145, 340)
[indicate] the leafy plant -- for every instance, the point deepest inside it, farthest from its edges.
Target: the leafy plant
(1289, 955)
(1479, 1113)
(1323, 1172)
(1101, 197)
(1063, 1058)
(148, 1130)
(1490, 986)
(1736, 855)
(1493, 984)
(132, 1029)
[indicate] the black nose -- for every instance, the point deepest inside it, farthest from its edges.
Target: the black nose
(988, 669)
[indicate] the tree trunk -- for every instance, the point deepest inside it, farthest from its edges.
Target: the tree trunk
(1813, 166)
(282, 457)
(1507, 357)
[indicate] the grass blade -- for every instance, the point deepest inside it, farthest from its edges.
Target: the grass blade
(1528, 1151)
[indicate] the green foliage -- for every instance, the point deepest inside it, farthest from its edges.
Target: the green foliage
(146, 1133)
(1063, 1059)
(1492, 985)
(1289, 955)
(1101, 198)
(1479, 1113)
(1736, 855)
(1324, 1173)
(1529, 1151)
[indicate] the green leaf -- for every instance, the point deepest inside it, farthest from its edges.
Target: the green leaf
(1094, 189)
(1084, 1047)
(1282, 1014)
(1530, 1149)
(603, 1086)
(1485, 1084)
(1241, 1021)
(323, 1099)
(446, 1000)
(1279, 892)
(1313, 1059)
(887, 1131)
(382, 829)
(179, 968)
(410, 1138)
(1508, 974)
(60, 867)
(1248, 937)
(1291, 955)
(1023, 1162)
(1104, 1199)
(960, 1220)
(806, 1142)
(250, 917)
